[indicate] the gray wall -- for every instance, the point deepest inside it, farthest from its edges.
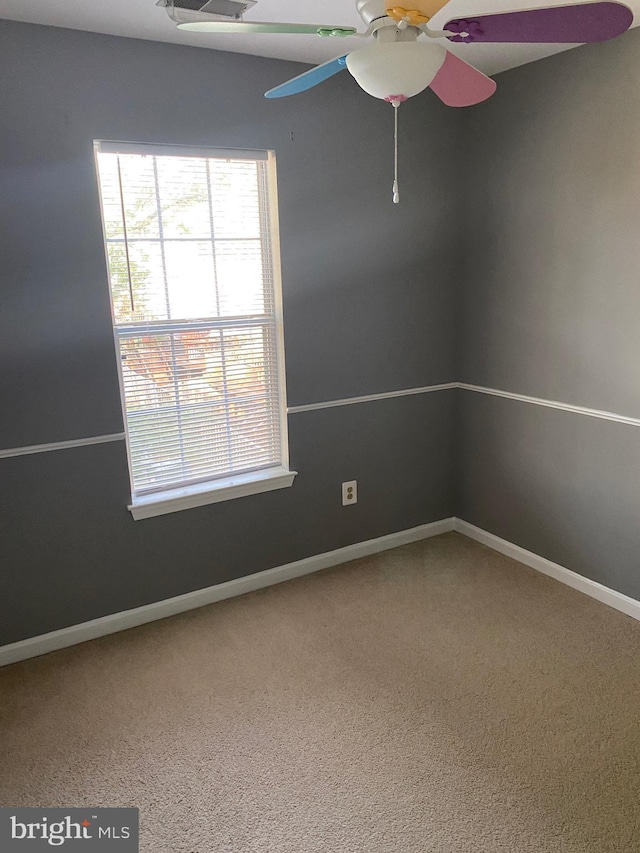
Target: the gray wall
(516, 269)
(550, 307)
(368, 299)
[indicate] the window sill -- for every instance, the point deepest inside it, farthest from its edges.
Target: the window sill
(174, 500)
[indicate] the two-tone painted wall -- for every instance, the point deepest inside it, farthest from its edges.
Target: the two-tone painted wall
(368, 301)
(550, 309)
(513, 268)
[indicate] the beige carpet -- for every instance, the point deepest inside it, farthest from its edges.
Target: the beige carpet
(438, 697)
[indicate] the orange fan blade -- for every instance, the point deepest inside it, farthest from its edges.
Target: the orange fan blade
(417, 9)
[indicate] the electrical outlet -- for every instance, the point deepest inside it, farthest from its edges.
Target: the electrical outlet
(350, 493)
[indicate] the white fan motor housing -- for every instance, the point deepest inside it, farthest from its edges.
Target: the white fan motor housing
(371, 10)
(396, 69)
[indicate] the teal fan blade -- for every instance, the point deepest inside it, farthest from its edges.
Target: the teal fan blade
(249, 27)
(204, 22)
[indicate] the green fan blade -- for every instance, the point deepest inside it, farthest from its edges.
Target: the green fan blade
(260, 27)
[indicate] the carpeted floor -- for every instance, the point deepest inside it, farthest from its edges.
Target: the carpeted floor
(438, 697)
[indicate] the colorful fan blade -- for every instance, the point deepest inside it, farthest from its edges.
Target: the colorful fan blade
(459, 84)
(431, 7)
(202, 22)
(560, 25)
(428, 8)
(261, 27)
(309, 79)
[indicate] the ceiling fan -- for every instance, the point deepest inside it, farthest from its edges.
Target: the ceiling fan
(400, 63)
(396, 64)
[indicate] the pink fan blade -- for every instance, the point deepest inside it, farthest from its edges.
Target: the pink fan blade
(560, 25)
(459, 84)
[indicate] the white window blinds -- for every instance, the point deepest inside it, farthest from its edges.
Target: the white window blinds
(192, 254)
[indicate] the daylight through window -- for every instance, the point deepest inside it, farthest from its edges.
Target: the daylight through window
(192, 253)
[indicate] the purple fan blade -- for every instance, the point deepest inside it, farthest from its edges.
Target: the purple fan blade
(559, 25)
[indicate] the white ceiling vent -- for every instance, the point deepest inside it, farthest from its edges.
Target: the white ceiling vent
(222, 8)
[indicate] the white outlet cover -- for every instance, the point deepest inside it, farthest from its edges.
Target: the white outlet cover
(350, 493)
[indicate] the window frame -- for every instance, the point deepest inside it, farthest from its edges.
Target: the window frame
(147, 504)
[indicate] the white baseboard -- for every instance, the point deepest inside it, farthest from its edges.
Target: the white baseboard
(55, 640)
(596, 590)
(75, 634)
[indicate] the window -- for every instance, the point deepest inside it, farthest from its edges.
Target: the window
(192, 250)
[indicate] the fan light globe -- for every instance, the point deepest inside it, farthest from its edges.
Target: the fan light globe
(397, 68)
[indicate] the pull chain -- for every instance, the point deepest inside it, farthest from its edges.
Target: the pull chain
(396, 100)
(396, 190)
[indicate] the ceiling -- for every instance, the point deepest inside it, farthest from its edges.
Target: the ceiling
(143, 19)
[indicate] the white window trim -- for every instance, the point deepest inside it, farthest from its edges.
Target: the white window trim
(235, 485)
(201, 494)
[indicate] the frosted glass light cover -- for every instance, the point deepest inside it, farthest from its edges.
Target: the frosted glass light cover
(398, 68)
